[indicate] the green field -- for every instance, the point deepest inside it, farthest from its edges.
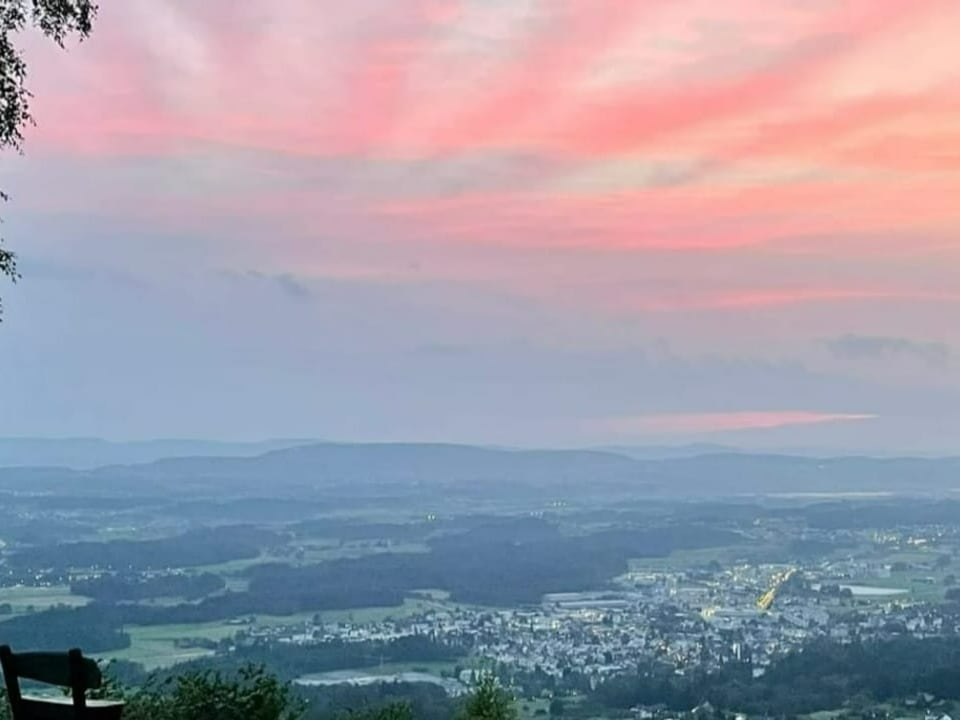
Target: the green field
(911, 556)
(824, 715)
(154, 645)
(530, 709)
(410, 606)
(314, 551)
(39, 598)
(320, 551)
(430, 668)
(683, 559)
(923, 584)
(539, 708)
(915, 583)
(432, 594)
(233, 567)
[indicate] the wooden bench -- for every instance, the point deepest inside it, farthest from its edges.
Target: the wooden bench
(67, 669)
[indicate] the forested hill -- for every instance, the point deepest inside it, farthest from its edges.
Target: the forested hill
(427, 464)
(382, 469)
(91, 453)
(728, 474)
(358, 469)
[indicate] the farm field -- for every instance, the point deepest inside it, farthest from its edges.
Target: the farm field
(33, 599)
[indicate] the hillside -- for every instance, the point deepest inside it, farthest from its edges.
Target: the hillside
(90, 453)
(391, 466)
(387, 470)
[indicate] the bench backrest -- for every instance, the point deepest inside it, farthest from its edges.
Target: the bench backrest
(66, 669)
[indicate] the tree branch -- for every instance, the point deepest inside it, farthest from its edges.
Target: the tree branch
(58, 20)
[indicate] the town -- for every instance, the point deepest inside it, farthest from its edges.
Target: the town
(689, 620)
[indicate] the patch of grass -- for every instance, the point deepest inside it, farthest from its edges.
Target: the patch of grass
(538, 709)
(824, 715)
(321, 552)
(121, 532)
(916, 583)
(235, 567)
(169, 601)
(39, 598)
(682, 559)
(154, 646)
(410, 606)
(912, 556)
(429, 668)
(315, 550)
(235, 584)
(432, 594)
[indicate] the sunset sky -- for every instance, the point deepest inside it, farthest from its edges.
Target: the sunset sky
(552, 222)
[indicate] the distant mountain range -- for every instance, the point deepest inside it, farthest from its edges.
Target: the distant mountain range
(383, 469)
(751, 474)
(664, 452)
(349, 470)
(360, 468)
(89, 453)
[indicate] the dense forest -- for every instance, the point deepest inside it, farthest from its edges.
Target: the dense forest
(291, 661)
(336, 702)
(501, 564)
(824, 676)
(84, 627)
(131, 587)
(498, 563)
(206, 546)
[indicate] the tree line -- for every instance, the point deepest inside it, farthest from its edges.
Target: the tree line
(824, 675)
(133, 587)
(251, 693)
(207, 546)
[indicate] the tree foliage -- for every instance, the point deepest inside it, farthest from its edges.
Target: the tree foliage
(378, 701)
(58, 20)
(489, 701)
(824, 676)
(62, 627)
(251, 694)
(391, 711)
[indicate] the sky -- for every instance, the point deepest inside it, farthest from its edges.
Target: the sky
(521, 222)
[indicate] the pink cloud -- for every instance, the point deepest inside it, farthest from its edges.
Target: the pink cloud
(911, 153)
(743, 97)
(376, 84)
(750, 298)
(571, 38)
(631, 116)
(312, 89)
(819, 133)
(685, 218)
(699, 423)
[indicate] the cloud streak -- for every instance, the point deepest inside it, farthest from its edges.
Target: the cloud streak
(711, 423)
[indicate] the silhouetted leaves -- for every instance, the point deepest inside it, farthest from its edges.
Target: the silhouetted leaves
(58, 20)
